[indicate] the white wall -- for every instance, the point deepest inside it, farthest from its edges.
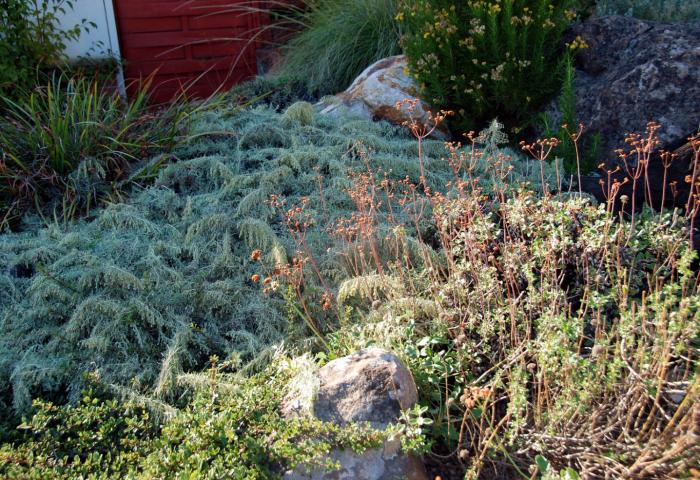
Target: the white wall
(100, 41)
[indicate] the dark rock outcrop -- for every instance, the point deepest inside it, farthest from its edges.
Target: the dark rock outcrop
(635, 72)
(632, 73)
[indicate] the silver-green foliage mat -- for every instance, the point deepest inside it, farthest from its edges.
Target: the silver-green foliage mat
(154, 286)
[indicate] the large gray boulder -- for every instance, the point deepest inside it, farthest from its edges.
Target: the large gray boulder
(634, 72)
(370, 386)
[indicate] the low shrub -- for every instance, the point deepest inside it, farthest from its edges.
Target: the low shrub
(486, 58)
(228, 428)
(98, 436)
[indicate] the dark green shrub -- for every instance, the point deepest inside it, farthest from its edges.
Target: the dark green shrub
(30, 39)
(97, 436)
(486, 58)
(228, 428)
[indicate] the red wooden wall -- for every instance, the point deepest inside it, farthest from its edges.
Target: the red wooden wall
(200, 45)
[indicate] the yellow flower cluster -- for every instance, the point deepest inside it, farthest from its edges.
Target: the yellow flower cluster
(577, 44)
(442, 25)
(525, 20)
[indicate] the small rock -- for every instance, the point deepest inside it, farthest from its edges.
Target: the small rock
(376, 91)
(369, 386)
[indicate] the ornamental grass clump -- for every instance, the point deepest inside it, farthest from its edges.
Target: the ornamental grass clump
(67, 144)
(487, 58)
(336, 40)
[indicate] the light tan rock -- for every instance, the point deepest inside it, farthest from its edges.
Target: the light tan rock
(375, 93)
(371, 386)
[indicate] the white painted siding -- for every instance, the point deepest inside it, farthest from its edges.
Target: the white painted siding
(100, 41)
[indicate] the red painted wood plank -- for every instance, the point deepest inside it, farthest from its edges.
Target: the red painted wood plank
(170, 39)
(185, 66)
(218, 50)
(137, 54)
(206, 22)
(139, 25)
(140, 9)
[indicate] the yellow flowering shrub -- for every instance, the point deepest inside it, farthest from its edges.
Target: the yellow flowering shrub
(486, 58)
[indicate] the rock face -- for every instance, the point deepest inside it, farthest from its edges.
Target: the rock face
(376, 91)
(634, 72)
(369, 386)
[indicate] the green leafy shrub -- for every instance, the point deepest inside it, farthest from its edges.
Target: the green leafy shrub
(98, 436)
(228, 428)
(69, 142)
(31, 39)
(239, 432)
(658, 10)
(338, 39)
(486, 58)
